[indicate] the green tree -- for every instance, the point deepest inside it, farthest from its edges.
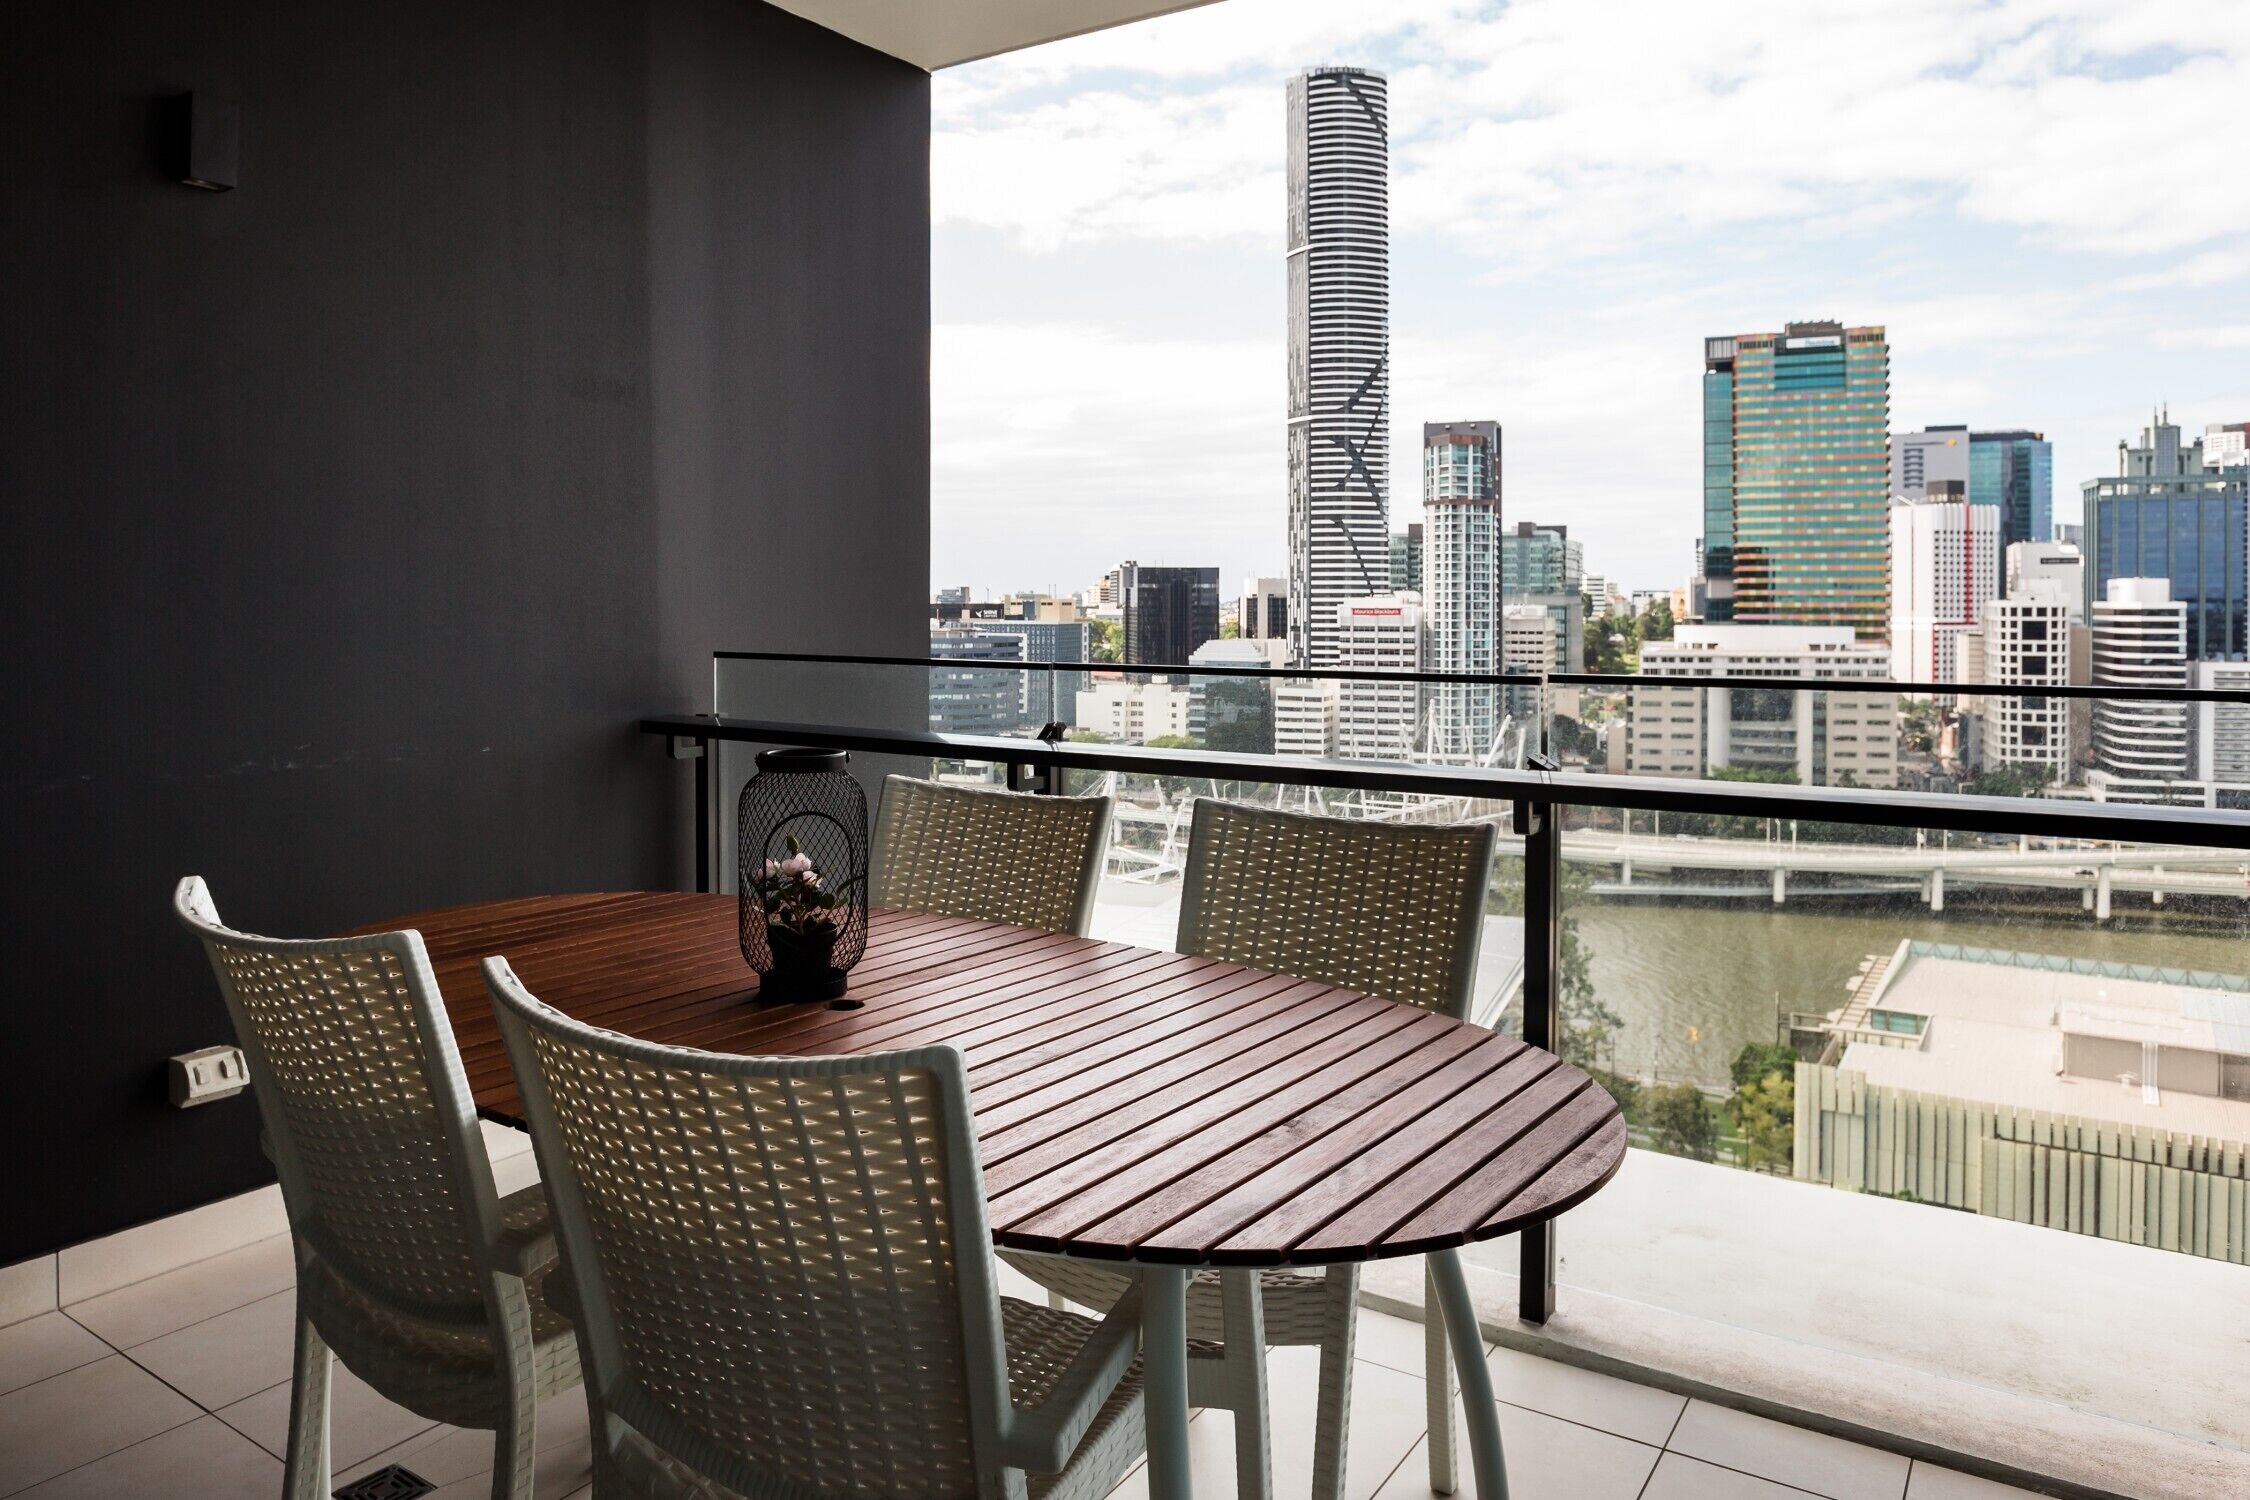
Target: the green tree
(1172, 742)
(1658, 624)
(1230, 629)
(1918, 724)
(1756, 1060)
(1684, 1121)
(1587, 1030)
(2011, 779)
(1105, 640)
(1765, 1113)
(1768, 775)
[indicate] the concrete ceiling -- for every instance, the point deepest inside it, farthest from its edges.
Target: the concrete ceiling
(939, 33)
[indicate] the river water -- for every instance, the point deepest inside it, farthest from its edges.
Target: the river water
(1694, 980)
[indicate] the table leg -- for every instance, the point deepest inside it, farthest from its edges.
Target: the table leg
(1476, 1381)
(1165, 1377)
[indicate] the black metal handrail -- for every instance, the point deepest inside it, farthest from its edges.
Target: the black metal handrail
(1520, 679)
(1967, 813)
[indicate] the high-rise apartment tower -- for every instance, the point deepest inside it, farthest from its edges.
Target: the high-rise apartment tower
(1461, 578)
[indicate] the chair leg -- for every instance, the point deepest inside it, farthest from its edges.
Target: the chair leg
(515, 1442)
(1441, 1393)
(515, 1453)
(1332, 1422)
(1242, 1309)
(307, 1464)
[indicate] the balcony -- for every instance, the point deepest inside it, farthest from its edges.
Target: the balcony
(373, 524)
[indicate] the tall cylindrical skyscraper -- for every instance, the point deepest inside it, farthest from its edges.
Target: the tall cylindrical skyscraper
(1339, 352)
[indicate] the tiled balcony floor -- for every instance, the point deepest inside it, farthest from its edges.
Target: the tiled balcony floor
(178, 1385)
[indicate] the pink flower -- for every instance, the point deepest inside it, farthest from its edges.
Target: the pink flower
(796, 864)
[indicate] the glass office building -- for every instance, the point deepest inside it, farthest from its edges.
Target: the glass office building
(1806, 474)
(2165, 515)
(2014, 471)
(1717, 548)
(2195, 540)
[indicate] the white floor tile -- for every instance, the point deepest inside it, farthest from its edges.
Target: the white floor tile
(171, 1301)
(223, 1359)
(448, 1456)
(55, 1425)
(1811, 1461)
(1640, 1412)
(1386, 1422)
(1929, 1482)
(503, 1141)
(361, 1423)
(27, 1289)
(46, 1345)
(203, 1457)
(1210, 1464)
(1545, 1456)
(1679, 1477)
(1392, 1342)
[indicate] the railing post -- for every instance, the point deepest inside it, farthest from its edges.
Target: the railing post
(1541, 828)
(702, 750)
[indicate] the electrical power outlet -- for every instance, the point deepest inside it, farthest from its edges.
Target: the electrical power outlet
(206, 1074)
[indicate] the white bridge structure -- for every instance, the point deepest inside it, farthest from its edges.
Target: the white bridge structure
(1153, 824)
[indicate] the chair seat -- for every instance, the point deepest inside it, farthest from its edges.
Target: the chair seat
(444, 1370)
(1041, 1345)
(1295, 1302)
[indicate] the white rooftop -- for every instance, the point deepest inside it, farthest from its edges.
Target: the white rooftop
(1997, 1022)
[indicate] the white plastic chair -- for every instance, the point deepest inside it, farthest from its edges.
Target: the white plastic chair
(1388, 909)
(410, 1268)
(994, 856)
(784, 1274)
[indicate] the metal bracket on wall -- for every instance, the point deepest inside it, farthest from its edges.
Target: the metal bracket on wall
(686, 747)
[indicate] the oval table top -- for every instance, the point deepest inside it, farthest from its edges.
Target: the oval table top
(1131, 1104)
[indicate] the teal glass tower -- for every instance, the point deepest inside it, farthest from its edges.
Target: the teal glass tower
(2016, 472)
(1803, 535)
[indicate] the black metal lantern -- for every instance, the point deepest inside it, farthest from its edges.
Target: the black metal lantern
(801, 832)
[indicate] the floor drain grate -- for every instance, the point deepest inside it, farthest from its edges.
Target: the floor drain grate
(395, 1482)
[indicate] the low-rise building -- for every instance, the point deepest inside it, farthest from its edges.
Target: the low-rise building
(2106, 1098)
(1227, 712)
(969, 699)
(1377, 719)
(1304, 717)
(1133, 712)
(1818, 737)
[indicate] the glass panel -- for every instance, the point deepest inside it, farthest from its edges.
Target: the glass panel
(1929, 1085)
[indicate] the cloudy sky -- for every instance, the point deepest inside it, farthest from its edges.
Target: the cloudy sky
(2047, 202)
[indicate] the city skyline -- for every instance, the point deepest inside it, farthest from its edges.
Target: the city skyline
(1109, 210)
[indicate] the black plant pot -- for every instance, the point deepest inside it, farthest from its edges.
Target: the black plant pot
(804, 966)
(807, 796)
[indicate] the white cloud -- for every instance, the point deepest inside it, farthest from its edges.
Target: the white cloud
(1060, 450)
(1551, 129)
(2215, 336)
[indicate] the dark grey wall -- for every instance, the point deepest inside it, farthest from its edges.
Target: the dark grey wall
(352, 516)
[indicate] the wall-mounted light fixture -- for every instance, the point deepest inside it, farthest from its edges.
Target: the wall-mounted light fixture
(211, 141)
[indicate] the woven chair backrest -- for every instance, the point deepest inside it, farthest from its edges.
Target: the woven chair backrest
(770, 1253)
(1390, 910)
(371, 1125)
(990, 855)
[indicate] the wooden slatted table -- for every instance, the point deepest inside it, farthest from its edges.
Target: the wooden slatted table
(1131, 1105)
